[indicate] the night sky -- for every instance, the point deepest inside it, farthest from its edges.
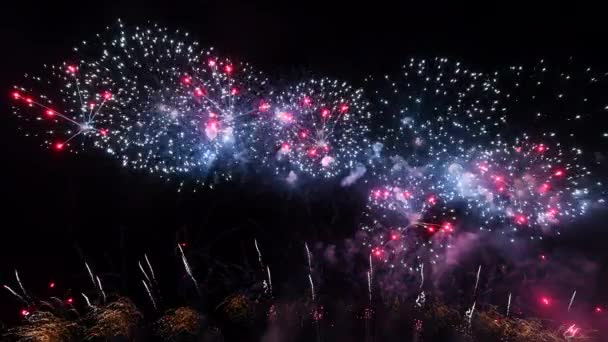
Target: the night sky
(59, 209)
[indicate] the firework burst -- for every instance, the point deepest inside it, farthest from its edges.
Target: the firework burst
(151, 98)
(319, 128)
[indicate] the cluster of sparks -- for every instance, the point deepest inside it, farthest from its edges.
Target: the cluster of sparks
(447, 160)
(438, 144)
(160, 103)
(318, 125)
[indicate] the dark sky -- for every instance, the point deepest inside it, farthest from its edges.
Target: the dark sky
(55, 204)
(325, 36)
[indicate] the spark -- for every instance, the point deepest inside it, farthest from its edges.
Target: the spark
(545, 300)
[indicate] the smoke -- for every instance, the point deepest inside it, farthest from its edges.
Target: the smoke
(377, 148)
(284, 322)
(292, 178)
(463, 245)
(354, 175)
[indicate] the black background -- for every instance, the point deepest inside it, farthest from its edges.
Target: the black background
(58, 209)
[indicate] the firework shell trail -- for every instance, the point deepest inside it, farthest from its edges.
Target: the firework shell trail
(20, 284)
(469, 313)
(571, 300)
(269, 280)
(312, 287)
(257, 248)
(477, 280)
(91, 275)
(371, 266)
(188, 269)
(143, 271)
(508, 305)
(18, 296)
(150, 294)
(150, 267)
(86, 298)
(369, 285)
(421, 275)
(309, 258)
(103, 293)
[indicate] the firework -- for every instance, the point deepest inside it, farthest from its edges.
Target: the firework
(319, 128)
(237, 307)
(178, 321)
(151, 98)
(114, 319)
(44, 326)
(526, 183)
(439, 150)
